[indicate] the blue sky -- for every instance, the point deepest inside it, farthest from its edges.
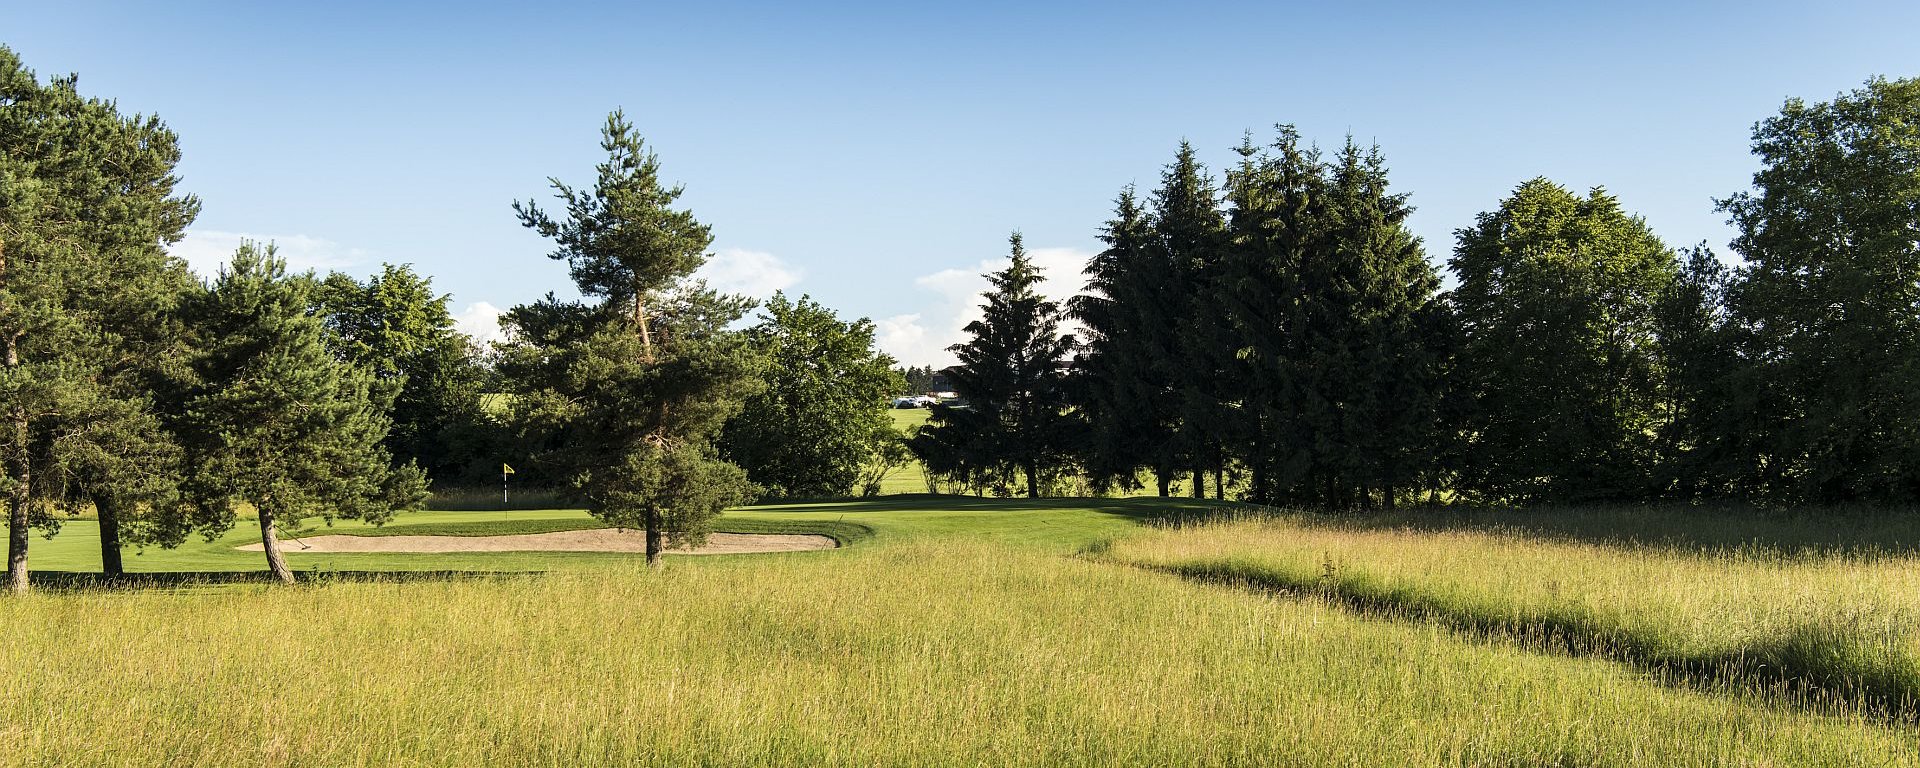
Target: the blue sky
(876, 156)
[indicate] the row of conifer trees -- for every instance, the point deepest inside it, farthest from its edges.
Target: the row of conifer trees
(1280, 335)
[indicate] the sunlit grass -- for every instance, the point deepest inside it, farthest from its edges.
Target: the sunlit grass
(1838, 622)
(929, 650)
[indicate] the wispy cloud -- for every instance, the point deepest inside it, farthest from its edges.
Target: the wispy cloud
(922, 338)
(206, 251)
(749, 273)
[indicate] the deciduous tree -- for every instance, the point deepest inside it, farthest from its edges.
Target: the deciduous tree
(1556, 301)
(823, 416)
(1829, 300)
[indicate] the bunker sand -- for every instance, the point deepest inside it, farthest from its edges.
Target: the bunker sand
(595, 540)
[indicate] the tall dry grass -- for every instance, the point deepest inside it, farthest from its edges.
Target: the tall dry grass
(1825, 625)
(930, 652)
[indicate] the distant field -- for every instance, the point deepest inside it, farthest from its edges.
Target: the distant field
(907, 478)
(957, 631)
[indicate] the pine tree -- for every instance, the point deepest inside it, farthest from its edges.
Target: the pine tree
(278, 422)
(1277, 227)
(86, 203)
(1556, 301)
(1013, 418)
(627, 396)
(823, 416)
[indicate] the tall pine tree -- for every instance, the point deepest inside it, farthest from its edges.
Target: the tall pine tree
(1012, 422)
(628, 394)
(1189, 243)
(86, 203)
(1120, 391)
(278, 422)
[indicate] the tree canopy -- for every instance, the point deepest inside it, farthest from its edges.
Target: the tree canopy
(822, 417)
(626, 396)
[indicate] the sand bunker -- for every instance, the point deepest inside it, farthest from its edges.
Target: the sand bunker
(594, 540)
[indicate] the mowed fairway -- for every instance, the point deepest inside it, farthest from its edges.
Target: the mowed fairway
(951, 631)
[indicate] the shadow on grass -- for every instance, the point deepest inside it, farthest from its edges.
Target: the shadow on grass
(1143, 508)
(81, 581)
(1806, 669)
(1722, 529)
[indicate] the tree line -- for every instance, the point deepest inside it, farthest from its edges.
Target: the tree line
(1277, 334)
(170, 406)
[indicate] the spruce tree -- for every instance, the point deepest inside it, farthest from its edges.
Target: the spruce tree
(1012, 423)
(1119, 390)
(625, 396)
(1189, 239)
(1277, 228)
(278, 422)
(1382, 305)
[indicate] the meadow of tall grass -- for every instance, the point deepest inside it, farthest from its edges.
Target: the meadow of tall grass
(1820, 613)
(962, 632)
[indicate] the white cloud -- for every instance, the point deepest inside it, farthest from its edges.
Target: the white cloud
(206, 251)
(749, 273)
(922, 338)
(481, 321)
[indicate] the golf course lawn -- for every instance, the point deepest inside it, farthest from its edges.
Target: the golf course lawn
(948, 631)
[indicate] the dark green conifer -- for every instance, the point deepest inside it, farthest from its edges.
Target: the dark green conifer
(625, 397)
(87, 203)
(278, 422)
(1012, 423)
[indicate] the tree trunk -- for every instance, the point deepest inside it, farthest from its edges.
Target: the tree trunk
(1199, 483)
(640, 319)
(21, 472)
(1165, 479)
(1386, 495)
(1260, 495)
(270, 541)
(656, 539)
(1220, 483)
(1033, 480)
(109, 510)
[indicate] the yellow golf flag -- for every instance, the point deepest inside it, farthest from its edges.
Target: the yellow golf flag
(506, 470)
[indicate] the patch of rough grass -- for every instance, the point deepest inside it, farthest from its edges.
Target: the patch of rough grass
(923, 653)
(1812, 626)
